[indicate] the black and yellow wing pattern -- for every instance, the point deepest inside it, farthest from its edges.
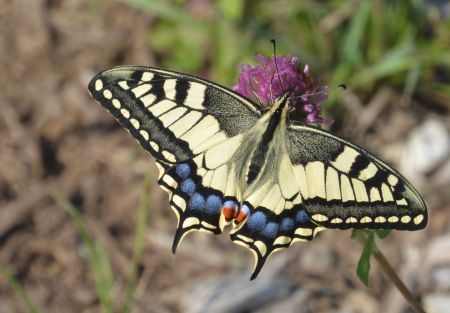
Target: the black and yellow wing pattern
(222, 159)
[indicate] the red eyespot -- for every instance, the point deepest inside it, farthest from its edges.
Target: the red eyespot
(229, 209)
(242, 215)
(229, 213)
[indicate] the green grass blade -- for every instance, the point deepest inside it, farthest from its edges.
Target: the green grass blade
(103, 272)
(232, 9)
(98, 257)
(166, 10)
(224, 61)
(19, 290)
(412, 79)
(139, 241)
(394, 61)
(351, 49)
(437, 90)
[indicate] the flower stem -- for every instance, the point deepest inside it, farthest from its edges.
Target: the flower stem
(361, 237)
(390, 272)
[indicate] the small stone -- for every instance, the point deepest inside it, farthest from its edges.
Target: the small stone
(437, 303)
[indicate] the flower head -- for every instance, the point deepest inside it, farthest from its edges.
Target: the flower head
(262, 82)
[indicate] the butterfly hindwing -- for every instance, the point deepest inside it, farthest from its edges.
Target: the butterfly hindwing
(265, 232)
(345, 187)
(197, 207)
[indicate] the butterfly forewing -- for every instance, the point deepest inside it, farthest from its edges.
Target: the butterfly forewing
(173, 116)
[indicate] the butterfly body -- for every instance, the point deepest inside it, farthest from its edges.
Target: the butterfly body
(222, 159)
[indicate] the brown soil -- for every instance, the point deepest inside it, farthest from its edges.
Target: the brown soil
(54, 137)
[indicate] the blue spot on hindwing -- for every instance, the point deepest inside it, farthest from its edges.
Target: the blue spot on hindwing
(256, 221)
(287, 224)
(301, 216)
(183, 170)
(188, 186)
(230, 204)
(197, 202)
(270, 230)
(213, 204)
(246, 210)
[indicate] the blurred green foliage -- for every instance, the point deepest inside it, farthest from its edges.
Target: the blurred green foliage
(367, 239)
(100, 260)
(19, 290)
(362, 43)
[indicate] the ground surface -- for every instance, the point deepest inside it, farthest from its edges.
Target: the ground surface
(54, 137)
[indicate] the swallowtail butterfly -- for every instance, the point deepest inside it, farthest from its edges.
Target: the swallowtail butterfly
(222, 159)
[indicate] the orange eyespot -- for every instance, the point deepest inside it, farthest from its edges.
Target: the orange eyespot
(229, 213)
(242, 215)
(229, 209)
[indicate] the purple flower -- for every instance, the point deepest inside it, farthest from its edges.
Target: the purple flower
(262, 83)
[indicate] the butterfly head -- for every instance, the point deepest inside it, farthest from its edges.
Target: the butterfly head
(282, 103)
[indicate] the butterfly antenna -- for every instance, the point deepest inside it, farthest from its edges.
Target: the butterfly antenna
(270, 88)
(275, 60)
(255, 93)
(342, 86)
